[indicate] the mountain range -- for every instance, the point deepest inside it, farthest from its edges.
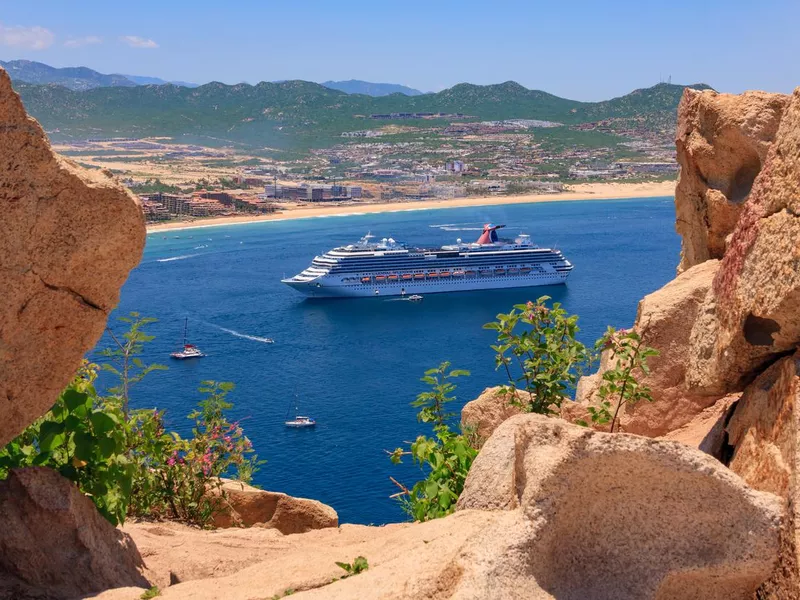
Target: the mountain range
(83, 78)
(356, 86)
(302, 115)
(76, 78)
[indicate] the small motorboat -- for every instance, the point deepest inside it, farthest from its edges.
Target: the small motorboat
(300, 421)
(415, 298)
(189, 350)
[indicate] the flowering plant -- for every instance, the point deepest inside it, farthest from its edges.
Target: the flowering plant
(541, 358)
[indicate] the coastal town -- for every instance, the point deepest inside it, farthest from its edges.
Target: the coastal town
(390, 162)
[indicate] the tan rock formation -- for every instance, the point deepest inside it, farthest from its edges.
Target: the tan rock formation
(763, 432)
(482, 415)
(722, 143)
(637, 518)
(54, 543)
(68, 238)
(664, 320)
(754, 313)
(246, 506)
(551, 510)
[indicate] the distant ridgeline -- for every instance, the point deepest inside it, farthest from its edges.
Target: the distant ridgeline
(301, 115)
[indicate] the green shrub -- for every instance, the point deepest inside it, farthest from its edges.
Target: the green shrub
(83, 437)
(125, 460)
(447, 456)
(620, 384)
(358, 565)
(541, 358)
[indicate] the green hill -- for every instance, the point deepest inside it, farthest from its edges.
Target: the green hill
(300, 114)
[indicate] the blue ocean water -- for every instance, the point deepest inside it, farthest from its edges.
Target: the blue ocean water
(356, 363)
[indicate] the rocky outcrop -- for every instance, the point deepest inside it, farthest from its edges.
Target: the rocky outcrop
(576, 488)
(664, 320)
(54, 543)
(246, 506)
(722, 142)
(763, 434)
(481, 416)
(550, 510)
(68, 238)
(754, 314)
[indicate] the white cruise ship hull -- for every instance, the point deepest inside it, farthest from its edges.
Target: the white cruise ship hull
(328, 286)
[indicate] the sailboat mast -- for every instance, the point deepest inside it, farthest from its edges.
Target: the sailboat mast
(185, 328)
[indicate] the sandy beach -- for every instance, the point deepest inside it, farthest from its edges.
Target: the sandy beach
(584, 191)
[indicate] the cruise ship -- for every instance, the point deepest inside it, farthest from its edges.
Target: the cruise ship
(390, 268)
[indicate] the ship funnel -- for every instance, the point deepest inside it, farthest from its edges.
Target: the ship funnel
(489, 235)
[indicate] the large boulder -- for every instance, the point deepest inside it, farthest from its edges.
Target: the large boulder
(722, 142)
(68, 238)
(54, 544)
(664, 320)
(753, 315)
(763, 434)
(621, 516)
(243, 505)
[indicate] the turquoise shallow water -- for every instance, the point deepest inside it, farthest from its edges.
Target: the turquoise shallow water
(356, 363)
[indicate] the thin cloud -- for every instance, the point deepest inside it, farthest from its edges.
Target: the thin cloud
(89, 40)
(134, 41)
(32, 38)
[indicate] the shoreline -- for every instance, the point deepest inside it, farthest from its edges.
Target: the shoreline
(586, 191)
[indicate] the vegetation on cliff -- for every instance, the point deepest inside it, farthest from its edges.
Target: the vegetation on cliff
(126, 460)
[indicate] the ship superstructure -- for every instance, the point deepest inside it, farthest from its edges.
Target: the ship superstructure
(390, 268)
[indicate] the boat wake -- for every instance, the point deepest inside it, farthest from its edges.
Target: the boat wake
(255, 338)
(458, 227)
(171, 258)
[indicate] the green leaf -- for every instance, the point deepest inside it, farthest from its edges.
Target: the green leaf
(84, 445)
(107, 447)
(101, 422)
(431, 489)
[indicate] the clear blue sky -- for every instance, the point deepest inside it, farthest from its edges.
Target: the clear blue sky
(586, 50)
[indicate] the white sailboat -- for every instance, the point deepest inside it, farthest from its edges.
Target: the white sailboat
(299, 420)
(189, 350)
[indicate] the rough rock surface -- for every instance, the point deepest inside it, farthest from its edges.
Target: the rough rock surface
(68, 238)
(486, 412)
(722, 142)
(639, 518)
(246, 506)
(754, 314)
(763, 432)
(54, 543)
(551, 510)
(664, 320)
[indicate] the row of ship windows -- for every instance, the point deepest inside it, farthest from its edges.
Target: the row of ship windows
(438, 276)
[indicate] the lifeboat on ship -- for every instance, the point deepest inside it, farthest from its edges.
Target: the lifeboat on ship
(419, 275)
(499, 271)
(406, 275)
(458, 273)
(366, 279)
(525, 270)
(433, 275)
(393, 278)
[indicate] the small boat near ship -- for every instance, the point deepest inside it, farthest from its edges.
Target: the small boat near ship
(189, 350)
(415, 298)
